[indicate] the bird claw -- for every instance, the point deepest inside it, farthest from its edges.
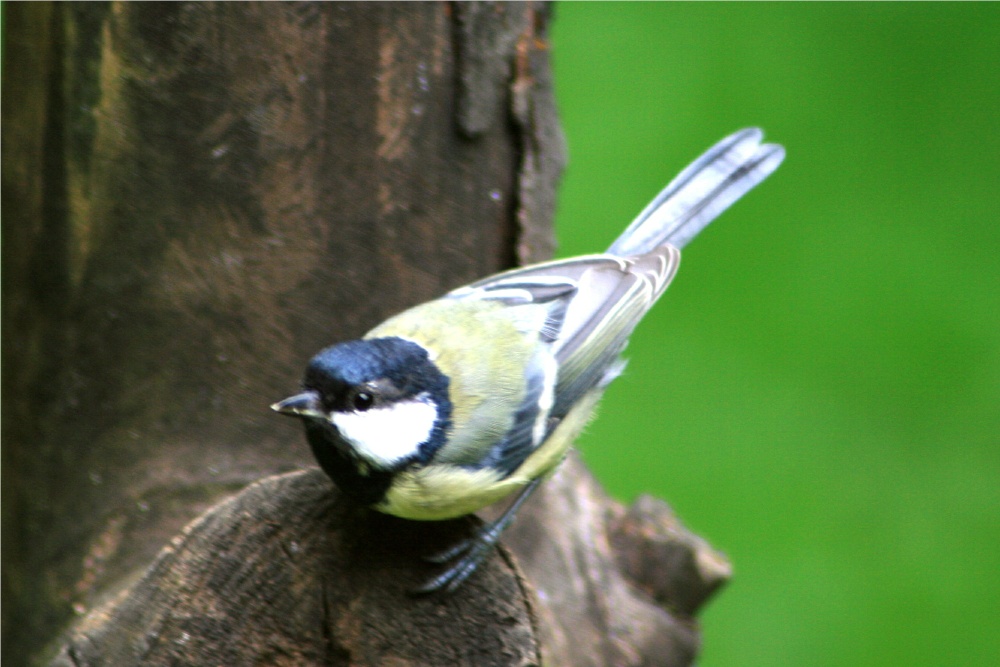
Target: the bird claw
(472, 551)
(451, 553)
(469, 552)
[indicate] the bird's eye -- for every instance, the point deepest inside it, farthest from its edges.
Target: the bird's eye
(363, 400)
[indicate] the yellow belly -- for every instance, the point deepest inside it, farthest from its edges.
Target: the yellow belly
(442, 492)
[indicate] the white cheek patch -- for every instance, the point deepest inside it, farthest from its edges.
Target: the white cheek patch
(384, 436)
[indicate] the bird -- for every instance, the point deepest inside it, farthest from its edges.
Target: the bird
(460, 402)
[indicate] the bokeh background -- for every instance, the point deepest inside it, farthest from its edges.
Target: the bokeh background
(819, 391)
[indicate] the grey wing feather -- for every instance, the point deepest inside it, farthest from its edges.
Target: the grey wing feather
(706, 188)
(610, 301)
(522, 286)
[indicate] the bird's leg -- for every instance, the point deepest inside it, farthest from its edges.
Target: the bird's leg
(472, 551)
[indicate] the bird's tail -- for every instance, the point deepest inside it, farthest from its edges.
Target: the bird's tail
(706, 188)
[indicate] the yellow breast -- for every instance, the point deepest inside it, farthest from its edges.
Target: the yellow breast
(439, 492)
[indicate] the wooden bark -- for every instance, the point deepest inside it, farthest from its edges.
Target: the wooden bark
(196, 198)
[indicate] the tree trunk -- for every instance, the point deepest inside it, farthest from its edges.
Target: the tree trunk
(196, 198)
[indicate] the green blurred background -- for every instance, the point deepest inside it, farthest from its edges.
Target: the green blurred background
(819, 392)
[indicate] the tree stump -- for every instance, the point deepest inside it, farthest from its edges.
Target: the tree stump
(286, 572)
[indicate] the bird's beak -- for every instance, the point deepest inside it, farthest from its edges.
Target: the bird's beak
(306, 404)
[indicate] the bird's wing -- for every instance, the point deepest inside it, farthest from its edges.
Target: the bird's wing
(611, 298)
(596, 302)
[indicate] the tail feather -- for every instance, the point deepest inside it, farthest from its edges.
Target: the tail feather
(706, 188)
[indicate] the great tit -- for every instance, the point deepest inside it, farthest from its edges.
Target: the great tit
(457, 403)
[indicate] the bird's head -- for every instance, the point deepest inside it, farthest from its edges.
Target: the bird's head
(371, 407)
